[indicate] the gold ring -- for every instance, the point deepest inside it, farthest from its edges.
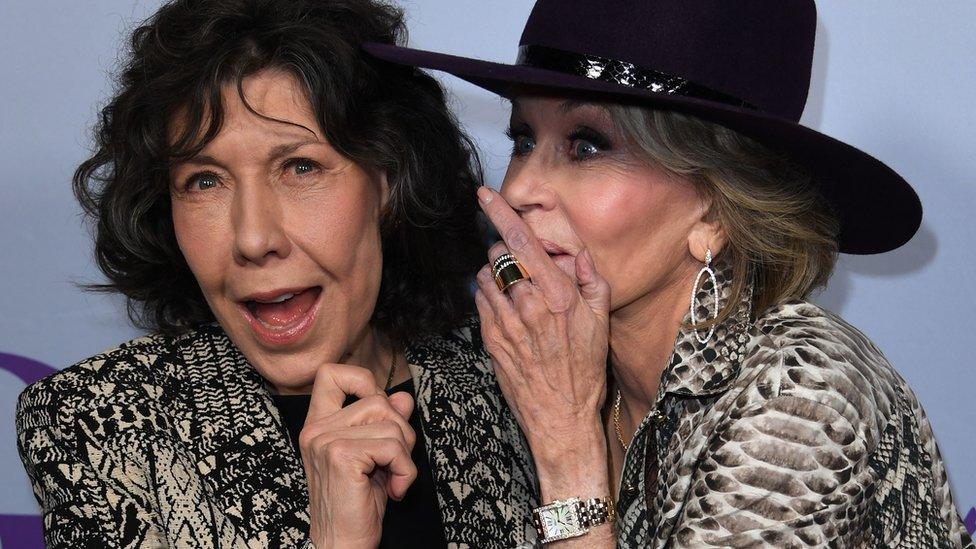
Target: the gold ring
(508, 271)
(501, 262)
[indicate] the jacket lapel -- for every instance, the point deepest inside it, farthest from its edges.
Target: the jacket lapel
(694, 388)
(482, 470)
(240, 449)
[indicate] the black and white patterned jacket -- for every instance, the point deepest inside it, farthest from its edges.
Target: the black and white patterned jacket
(176, 442)
(787, 430)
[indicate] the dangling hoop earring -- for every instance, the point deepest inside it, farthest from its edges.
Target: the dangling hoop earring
(707, 269)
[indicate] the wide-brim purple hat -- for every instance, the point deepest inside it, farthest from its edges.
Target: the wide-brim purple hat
(745, 65)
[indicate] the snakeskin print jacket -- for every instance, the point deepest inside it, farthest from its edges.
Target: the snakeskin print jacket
(175, 442)
(788, 430)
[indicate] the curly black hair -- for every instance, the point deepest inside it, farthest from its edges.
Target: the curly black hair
(383, 116)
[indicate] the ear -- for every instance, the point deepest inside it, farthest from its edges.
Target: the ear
(384, 190)
(706, 234)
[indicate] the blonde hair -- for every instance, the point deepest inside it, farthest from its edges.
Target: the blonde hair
(780, 230)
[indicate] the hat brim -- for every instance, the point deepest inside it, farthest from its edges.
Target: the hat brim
(878, 210)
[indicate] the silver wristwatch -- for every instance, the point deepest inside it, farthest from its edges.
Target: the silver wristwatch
(570, 518)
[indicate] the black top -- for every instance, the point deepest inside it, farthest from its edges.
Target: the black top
(413, 522)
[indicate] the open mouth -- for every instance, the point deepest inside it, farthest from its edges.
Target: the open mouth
(283, 316)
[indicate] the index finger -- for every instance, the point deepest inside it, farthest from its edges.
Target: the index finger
(333, 383)
(519, 239)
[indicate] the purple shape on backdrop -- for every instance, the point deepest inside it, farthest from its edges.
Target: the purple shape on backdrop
(971, 521)
(28, 370)
(21, 531)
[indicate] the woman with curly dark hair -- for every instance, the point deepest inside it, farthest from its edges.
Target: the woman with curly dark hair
(296, 223)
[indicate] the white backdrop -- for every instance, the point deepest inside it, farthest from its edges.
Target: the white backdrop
(893, 77)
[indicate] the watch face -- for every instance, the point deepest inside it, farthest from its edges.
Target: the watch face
(560, 521)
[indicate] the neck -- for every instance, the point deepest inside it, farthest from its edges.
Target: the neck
(373, 352)
(642, 336)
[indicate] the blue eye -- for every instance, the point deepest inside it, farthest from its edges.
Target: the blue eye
(302, 166)
(522, 141)
(586, 143)
(522, 145)
(583, 150)
(202, 182)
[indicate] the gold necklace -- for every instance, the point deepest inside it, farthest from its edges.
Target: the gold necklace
(616, 421)
(655, 417)
(389, 378)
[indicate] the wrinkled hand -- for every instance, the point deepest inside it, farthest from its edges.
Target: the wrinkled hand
(547, 337)
(355, 457)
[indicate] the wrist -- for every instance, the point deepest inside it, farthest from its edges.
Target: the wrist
(332, 541)
(573, 465)
(582, 483)
(574, 438)
(345, 545)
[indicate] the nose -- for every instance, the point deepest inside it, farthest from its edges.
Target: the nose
(527, 186)
(258, 231)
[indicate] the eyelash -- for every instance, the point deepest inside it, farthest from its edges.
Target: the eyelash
(592, 136)
(292, 162)
(186, 188)
(287, 164)
(581, 133)
(514, 134)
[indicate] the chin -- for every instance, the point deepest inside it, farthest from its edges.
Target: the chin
(292, 372)
(286, 368)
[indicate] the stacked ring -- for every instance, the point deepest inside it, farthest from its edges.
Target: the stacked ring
(508, 271)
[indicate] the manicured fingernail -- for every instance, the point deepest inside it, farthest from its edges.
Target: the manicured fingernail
(485, 195)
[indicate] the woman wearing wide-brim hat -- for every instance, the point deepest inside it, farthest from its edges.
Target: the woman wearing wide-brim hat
(664, 219)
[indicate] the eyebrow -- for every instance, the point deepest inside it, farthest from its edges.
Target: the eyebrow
(570, 105)
(566, 106)
(285, 149)
(277, 152)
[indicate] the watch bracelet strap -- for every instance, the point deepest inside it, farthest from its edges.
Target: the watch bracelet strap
(596, 511)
